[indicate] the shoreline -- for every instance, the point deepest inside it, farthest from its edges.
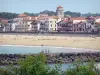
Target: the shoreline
(46, 46)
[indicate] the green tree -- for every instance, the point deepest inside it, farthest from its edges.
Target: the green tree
(8, 15)
(36, 65)
(80, 68)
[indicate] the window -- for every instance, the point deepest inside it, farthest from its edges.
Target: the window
(47, 21)
(50, 21)
(51, 25)
(50, 29)
(55, 21)
(92, 23)
(60, 13)
(55, 28)
(55, 25)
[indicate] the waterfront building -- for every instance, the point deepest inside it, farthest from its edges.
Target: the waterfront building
(35, 26)
(24, 26)
(43, 27)
(97, 19)
(41, 22)
(91, 25)
(3, 24)
(7, 28)
(79, 27)
(65, 25)
(24, 23)
(51, 24)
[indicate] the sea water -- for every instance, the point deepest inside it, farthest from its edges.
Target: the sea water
(20, 49)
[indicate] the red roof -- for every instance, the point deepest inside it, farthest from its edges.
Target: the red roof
(22, 15)
(4, 21)
(59, 6)
(97, 17)
(79, 18)
(33, 18)
(98, 23)
(1, 19)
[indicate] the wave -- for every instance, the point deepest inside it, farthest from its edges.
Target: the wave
(50, 47)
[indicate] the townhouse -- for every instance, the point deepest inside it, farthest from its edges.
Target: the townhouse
(25, 23)
(3, 25)
(79, 27)
(65, 25)
(79, 24)
(35, 26)
(41, 20)
(15, 22)
(51, 24)
(91, 25)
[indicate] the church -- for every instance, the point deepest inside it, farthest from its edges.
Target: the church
(60, 12)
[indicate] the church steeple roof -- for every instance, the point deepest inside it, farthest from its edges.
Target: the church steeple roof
(59, 6)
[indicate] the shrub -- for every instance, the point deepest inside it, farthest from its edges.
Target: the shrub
(4, 72)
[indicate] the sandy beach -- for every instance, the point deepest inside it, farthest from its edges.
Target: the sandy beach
(62, 41)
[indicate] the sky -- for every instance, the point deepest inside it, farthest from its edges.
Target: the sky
(36, 6)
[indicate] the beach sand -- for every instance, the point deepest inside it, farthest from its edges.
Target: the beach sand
(62, 41)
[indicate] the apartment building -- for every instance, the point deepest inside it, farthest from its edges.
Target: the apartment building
(24, 23)
(91, 25)
(3, 24)
(24, 26)
(51, 24)
(79, 27)
(65, 25)
(35, 26)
